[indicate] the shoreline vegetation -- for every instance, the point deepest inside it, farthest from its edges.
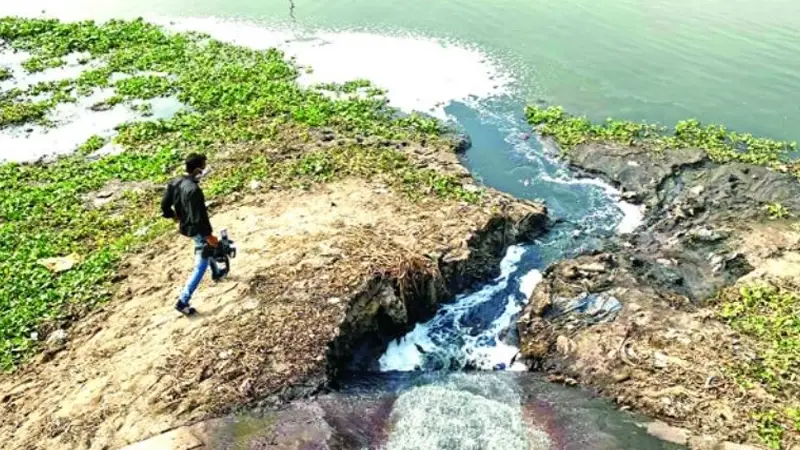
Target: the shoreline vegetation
(235, 101)
(721, 145)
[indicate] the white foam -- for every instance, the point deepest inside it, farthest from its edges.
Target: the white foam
(420, 73)
(632, 215)
(502, 353)
(404, 355)
(465, 412)
(529, 281)
(74, 123)
(485, 350)
(21, 79)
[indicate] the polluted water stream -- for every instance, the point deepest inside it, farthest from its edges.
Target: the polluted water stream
(454, 381)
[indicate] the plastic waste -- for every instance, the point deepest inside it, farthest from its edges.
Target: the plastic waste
(587, 308)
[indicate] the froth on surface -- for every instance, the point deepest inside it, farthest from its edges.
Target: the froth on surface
(443, 335)
(470, 412)
(74, 123)
(420, 73)
(631, 215)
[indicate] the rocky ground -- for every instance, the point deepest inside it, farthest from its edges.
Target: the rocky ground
(324, 277)
(640, 322)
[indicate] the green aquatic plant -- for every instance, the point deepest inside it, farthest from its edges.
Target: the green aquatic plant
(237, 100)
(92, 145)
(721, 144)
(768, 314)
(5, 73)
(42, 63)
(349, 87)
(16, 113)
(777, 211)
(144, 87)
(93, 78)
(570, 131)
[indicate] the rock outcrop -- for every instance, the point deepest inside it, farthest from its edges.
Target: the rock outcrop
(633, 321)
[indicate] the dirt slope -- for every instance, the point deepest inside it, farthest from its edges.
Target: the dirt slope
(306, 271)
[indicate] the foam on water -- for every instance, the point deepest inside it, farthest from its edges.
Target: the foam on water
(479, 344)
(469, 412)
(76, 125)
(592, 204)
(528, 282)
(74, 122)
(632, 215)
(420, 73)
(21, 79)
(503, 353)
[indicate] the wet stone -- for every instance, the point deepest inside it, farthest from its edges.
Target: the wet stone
(668, 433)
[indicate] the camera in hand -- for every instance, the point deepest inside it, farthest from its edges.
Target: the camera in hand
(222, 253)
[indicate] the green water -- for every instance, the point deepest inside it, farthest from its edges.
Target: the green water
(733, 61)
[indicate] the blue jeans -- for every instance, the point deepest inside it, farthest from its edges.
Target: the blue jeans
(200, 266)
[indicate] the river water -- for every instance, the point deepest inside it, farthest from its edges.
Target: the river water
(476, 64)
(730, 61)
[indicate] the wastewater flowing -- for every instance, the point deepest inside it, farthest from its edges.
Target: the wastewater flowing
(453, 382)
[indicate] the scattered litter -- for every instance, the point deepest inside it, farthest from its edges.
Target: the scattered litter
(592, 308)
(57, 338)
(60, 264)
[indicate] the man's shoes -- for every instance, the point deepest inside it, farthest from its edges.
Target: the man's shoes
(217, 277)
(185, 309)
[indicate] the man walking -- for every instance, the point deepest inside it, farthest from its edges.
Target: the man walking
(185, 203)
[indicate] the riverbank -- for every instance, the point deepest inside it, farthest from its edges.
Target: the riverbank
(352, 222)
(321, 275)
(691, 318)
(231, 102)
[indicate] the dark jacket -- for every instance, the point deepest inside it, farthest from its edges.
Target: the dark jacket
(184, 199)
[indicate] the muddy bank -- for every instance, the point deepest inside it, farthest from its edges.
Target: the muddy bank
(325, 276)
(391, 304)
(639, 321)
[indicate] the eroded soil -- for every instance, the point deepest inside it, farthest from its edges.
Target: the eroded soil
(136, 368)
